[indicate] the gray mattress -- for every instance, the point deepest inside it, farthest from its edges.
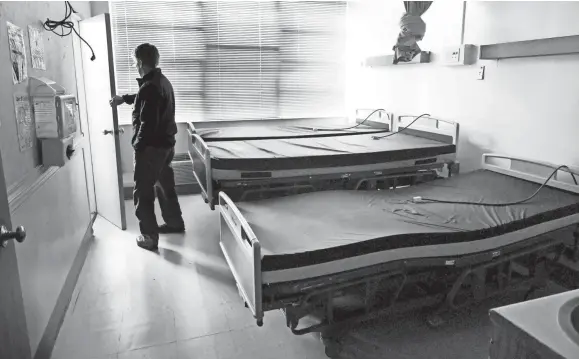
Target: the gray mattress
(322, 152)
(314, 228)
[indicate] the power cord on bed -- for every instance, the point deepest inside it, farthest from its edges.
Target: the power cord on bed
(431, 200)
(352, 127)
(51, 25)
(394, 133)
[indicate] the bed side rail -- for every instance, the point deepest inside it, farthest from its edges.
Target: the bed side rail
(532, 170)
(242, 252)
(201, 158)
(191, 127)
(431, 128)
(381, 119)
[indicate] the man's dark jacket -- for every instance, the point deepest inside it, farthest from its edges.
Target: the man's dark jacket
(154, 112)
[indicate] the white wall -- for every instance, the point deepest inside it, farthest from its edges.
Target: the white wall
(524, 107)
(56, 215)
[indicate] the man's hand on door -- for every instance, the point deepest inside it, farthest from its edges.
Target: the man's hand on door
(116, 100)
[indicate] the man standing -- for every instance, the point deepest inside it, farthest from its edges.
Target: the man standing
(154, 131)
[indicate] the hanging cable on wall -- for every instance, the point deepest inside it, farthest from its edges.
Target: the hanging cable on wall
(51, 25)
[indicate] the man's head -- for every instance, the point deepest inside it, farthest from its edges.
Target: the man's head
(146, 58)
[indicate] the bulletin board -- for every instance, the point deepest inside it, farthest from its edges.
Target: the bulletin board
(46, 55)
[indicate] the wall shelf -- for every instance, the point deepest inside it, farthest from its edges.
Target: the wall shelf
(387, 60)
(565, 45)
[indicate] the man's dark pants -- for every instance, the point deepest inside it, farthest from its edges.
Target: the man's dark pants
(154, 174)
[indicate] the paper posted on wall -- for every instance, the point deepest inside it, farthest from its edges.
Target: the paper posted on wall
(17, 53)
(24, 124)
(36, 48)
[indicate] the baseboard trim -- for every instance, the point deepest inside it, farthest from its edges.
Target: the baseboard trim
(181, 189)
(46, 345)
(19, 192)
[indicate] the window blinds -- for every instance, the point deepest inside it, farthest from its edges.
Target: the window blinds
(236, 60)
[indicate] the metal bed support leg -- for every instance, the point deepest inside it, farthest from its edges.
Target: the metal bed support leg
(451, 296)
(371, 288)
(574, 252)
(479, 288)
(435, 319)
(538, 273)
(504, 275)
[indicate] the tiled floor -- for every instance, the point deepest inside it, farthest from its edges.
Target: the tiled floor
(182, 303)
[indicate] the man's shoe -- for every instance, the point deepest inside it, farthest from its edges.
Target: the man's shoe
(165, 229)
(146, 242)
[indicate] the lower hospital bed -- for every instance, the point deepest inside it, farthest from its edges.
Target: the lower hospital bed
(337, 257)
(248, 169)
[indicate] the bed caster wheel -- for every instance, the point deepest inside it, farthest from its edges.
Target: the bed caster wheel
(245, 304)
(206, 201)
(260, 323)
(434, 321)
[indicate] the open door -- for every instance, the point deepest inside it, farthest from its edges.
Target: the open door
(14, 341)
(103, 123)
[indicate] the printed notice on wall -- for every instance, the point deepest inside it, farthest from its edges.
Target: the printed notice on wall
(36, 48)
(24, 124)
(17, 53)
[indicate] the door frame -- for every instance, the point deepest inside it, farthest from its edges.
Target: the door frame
(83, 112)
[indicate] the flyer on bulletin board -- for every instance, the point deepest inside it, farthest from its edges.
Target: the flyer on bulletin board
(36, 48)
(17, 53)
(24, 125)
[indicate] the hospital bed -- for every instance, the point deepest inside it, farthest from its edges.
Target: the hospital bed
(337, 257)
(257, 168)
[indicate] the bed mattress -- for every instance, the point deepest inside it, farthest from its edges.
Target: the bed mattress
(289, 129)
(298, 153)
(327, 232)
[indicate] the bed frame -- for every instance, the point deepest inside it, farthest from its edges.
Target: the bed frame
(439, 284)
(243, 185)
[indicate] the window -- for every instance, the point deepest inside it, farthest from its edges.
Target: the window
(234, 60)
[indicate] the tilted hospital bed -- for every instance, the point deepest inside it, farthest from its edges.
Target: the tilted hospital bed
(392, 251)
(244, 168)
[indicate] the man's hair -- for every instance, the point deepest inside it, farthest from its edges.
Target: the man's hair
(148, 54)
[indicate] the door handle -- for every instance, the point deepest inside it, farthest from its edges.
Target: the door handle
(5, 235)
(110, 132)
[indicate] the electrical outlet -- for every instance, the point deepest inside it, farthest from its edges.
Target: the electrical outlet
(455, 57)
(481, 73)
(459, 55)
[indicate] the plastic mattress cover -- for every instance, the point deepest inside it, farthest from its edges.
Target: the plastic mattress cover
(320, 227)
(322, 152)
(313, 128)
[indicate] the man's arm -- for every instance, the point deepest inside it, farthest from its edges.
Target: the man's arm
(129, 99)
(149, 98)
